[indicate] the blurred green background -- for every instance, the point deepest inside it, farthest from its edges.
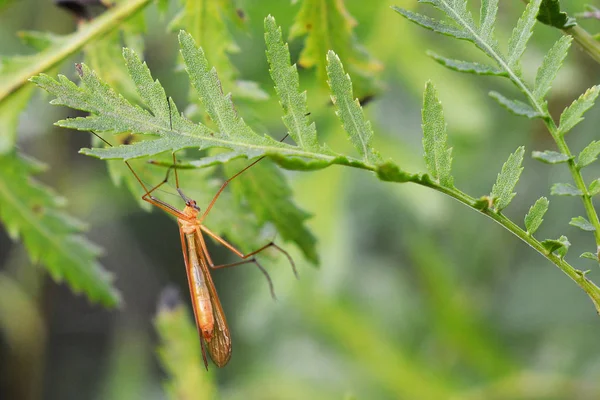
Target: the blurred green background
(416, 297)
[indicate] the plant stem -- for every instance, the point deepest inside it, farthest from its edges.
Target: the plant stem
(585, 40)
(576, 275)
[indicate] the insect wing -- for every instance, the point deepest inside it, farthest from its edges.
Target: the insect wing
(219, 347)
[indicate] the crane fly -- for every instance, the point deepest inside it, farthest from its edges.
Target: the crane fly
(208, 312)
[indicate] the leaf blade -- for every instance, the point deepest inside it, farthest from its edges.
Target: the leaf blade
(573, 114)
(565, 189)
(521, 34)
(515, 106)
(438, 157)
(550, 157)
(507, 179)
(535, 216)
(589, 154)
(349, 111)
(582, 224)
(550, 66)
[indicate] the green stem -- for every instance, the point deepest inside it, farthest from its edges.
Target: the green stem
(585, 40)
(576, 275)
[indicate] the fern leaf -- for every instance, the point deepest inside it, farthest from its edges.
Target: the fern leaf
(589, 154)
(265, 189)
(508, 177)
(565, 189)
(515, 106)
(550, 14)
(550, 66)
(438, 157)
(535, 216)
(51, 237)
(521, 34)
(287, 85)
(179, 350)
(582, 224)
(573, 114)
(466, 66)
(349, 110)
(328, 26)
(551, 157)
(487, 18)
(432, 24)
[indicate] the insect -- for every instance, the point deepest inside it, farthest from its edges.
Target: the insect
(208, 312)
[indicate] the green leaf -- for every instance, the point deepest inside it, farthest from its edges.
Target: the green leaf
(508, 177)
(582, 224)
(167, 130)
(349, 110)
(589, 154)
(438, 157)
(565, 189)
(287, 85)
(594, 188)
(560, 245)
(573, 114)
(328, 26)
(550, 157)
(521, 34)
(179, 350)
(589, 255)
(515, 106)
(550, 14)
(535, 216)
(30, 211)
(466, 66)
(265, 189)
(432, 24)
(487, 18)
(550, 66)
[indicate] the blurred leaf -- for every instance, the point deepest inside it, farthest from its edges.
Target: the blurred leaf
(438, 157)
(582, 224)
(550, 157)
(565, 189)
(15, 71)
(349, 110)
(466, 66)
(589, 255)
(550, 14)
(589, 154)
(594, 188)
(550, 66)
(508, 177)
(573, 114)
(560, 245)
(521, 34)
(328, 27)
(287, 84)
(207, 22)
(535, 216)
(179, 351)
(265, 189)
(51, 237)
(515, 106)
